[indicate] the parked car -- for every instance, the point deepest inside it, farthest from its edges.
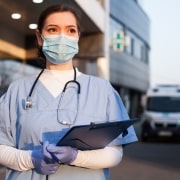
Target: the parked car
(161, 115)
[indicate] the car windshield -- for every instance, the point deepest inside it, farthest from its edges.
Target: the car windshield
(163, 104)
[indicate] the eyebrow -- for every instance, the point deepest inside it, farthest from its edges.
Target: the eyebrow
(74, 26)
(49, 25)
(54, 25)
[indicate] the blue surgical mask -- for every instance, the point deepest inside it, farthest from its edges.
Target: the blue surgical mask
(59, 49)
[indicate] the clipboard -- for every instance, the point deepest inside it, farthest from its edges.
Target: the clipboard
(95, 136)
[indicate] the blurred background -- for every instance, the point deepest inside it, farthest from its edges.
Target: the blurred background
(132, 43)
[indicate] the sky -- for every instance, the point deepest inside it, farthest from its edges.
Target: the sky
(164, 57)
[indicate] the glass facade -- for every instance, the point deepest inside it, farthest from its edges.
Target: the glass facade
(129, 69)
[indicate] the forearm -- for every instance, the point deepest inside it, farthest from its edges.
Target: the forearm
(16, 159)
(98, 159)
(20, 160)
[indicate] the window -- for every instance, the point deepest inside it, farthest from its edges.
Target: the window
(163, 104)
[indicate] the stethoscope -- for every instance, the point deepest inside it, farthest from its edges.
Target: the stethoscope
(28, 102)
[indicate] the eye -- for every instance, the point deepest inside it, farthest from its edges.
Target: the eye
(72, 31)
(52, 30)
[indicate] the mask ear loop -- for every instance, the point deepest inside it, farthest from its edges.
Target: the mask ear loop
(42, 37)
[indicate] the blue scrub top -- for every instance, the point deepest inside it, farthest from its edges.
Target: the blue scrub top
(25, 129)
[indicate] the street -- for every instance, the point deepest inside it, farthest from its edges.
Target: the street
(147, 161)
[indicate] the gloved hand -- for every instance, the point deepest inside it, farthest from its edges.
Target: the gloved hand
(42, 163)
(65, 154)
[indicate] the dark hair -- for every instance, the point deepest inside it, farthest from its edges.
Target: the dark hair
(58, 8)
(61, 7)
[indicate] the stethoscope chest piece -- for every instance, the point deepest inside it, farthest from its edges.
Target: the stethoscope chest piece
(28, 103)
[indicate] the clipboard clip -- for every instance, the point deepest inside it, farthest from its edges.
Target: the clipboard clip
(94, 124)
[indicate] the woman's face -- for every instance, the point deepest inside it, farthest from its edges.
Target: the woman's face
(59, 23)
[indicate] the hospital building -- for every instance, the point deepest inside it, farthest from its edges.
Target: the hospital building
(114, 44)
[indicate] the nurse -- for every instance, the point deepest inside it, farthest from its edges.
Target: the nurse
(36, 111)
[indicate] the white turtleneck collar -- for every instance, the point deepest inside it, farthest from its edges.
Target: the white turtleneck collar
(54, 80)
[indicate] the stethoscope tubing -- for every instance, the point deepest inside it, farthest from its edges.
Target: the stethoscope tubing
(28, 103)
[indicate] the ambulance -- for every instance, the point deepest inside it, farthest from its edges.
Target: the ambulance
(161, 116)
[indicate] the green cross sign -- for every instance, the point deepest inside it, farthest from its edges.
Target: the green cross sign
(118, 41)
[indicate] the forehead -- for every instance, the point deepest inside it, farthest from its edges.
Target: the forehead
(61, 18)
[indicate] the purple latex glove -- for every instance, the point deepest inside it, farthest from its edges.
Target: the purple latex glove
(42, 163)
(62, 154)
